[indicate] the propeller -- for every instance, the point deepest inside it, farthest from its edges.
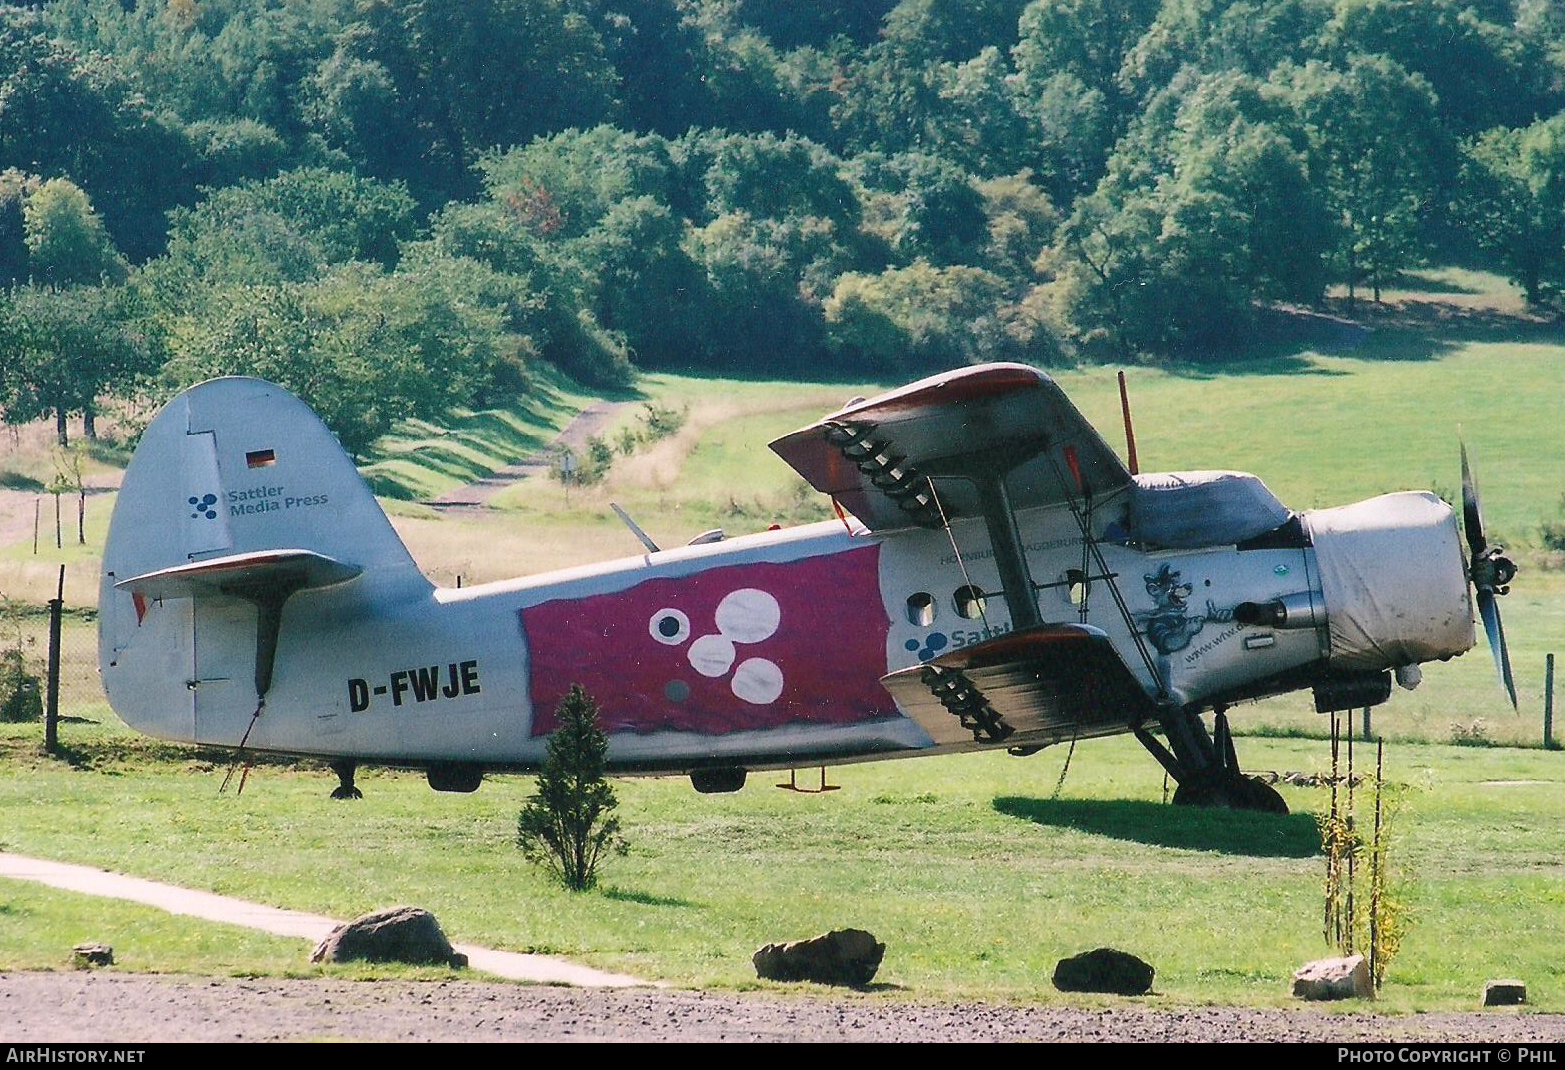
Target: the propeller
(1490, 572)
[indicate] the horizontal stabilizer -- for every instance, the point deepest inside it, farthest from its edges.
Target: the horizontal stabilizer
(295, 570)
(1033, 687)
(877, 457)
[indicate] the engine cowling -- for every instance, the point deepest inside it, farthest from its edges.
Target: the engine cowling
(1394, 581)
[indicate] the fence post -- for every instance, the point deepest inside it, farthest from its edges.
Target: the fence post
(1548, 701)
(51, 724)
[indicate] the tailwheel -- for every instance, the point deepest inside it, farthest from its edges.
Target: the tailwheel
(345, 788)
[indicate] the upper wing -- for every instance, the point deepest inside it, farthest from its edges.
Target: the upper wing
(877, 457)
(1036, 687)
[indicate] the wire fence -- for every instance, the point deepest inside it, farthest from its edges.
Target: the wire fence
(49, 664)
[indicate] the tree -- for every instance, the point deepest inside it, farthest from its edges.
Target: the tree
(15, 187)
(417, 89)
(928, 207)
(765, 280)
(1251, 36)
(67, 348)
(1512, 202)
(1482, 70)
(1377, 148)
(66, 112)
(568, 824)
(789, 24)
(1208, 205)
(643, 283)
(563, 184)
(66, 242)
(912, 319)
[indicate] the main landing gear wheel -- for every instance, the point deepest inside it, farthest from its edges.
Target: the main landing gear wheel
(1205, 765)
(1232, 793)
(345, 789)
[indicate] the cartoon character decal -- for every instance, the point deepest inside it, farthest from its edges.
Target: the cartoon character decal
(1169, 625)
(729, 649)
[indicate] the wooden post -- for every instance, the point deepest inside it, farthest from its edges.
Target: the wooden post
(1352, 919)
(1369, 732)
(51, 729)
(59, 542)
(1548, 701)
(37, 510)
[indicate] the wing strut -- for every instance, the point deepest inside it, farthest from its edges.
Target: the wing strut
(1015, 576)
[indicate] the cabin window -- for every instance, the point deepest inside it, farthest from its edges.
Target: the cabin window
(921, 609)
(969, 602)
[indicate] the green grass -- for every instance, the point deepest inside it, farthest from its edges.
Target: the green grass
(1327, 429)
(977, 879)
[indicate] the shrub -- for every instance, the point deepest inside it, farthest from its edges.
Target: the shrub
(21, 691)
(1553, 531)
(568, 824)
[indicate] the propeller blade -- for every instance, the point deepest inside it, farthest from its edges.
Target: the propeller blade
(1490, 611)
(1472, 508)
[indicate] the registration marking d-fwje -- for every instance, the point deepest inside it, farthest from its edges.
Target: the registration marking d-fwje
(431, 683)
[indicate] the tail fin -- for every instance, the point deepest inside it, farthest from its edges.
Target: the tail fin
(235, 480)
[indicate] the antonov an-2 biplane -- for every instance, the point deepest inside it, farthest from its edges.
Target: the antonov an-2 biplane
(998, 579)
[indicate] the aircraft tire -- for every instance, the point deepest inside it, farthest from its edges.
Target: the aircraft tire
(1236, 793)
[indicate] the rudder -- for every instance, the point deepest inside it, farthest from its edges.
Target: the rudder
(234, 469)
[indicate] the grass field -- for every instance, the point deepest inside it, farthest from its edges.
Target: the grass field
(973, 873)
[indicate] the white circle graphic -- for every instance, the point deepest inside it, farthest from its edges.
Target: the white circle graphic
(758, 681)
(711, 655)
(748, 615)
(669, 627)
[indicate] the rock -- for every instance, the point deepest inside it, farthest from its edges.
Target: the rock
(1104, 970)
(1340, 978)
(92, 955)
(840, 957)
(1505, 993)
(399, 934)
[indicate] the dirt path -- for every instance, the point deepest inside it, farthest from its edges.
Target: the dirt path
(590, 421)
(190, 902)
(107, 1006)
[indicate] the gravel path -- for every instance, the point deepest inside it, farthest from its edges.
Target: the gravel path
(100, 1007)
